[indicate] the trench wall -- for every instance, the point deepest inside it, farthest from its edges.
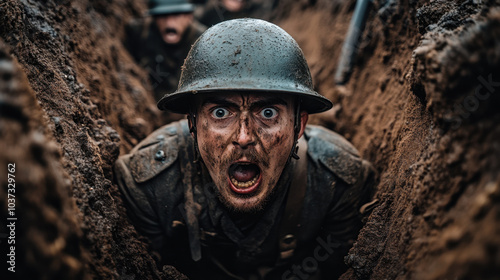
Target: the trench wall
(421, 104)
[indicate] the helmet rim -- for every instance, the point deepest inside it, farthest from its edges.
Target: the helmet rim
(163, 7)
(179, 101)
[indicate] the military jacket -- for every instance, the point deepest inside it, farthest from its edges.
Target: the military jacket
(162, 61)
(153, 183)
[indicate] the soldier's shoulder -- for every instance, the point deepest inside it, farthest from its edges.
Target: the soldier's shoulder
(156, 153)
(335, 152)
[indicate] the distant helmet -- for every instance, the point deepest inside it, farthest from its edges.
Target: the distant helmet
(163, 7)
(245, 55)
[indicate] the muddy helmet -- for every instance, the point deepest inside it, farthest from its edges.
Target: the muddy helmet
(245, 55)
(165, 7)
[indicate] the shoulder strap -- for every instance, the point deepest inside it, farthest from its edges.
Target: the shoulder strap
(189, 180)
(290, 222)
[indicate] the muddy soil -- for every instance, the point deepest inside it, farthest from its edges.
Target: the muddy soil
(42, 218)
(421, 104)
(95, 104)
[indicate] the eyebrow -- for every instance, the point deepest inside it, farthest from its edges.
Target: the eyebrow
(259, 103)
(269, 102)
(218, 101)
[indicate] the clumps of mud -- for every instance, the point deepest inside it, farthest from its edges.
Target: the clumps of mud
(459, 67)
(95, 104)
(422, 105)
(46, 235)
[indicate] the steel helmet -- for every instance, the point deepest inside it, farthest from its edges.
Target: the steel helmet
(165, 7)
(245, 55)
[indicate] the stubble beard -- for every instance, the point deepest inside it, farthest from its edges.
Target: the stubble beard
(259, 207)
(225, 195)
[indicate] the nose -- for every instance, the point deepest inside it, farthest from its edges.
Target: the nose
(169, 21)
(244, 135)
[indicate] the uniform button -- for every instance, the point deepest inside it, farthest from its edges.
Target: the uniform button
(160, 155)
(159, 58)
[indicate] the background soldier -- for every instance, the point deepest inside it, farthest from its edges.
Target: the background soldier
(161, 43)
(226, 194)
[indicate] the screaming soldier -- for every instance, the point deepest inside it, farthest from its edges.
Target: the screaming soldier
(244, 189)
(160, 43)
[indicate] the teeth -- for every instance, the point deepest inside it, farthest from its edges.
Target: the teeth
(244, 184)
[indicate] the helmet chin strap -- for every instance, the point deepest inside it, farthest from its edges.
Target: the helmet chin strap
(192, 129)
(296, 130)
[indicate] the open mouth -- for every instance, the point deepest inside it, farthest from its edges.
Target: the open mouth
(170, 31)
(244, 177)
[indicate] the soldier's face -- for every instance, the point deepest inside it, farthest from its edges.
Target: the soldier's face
(234, 5)
(173, 26)
(244, 141)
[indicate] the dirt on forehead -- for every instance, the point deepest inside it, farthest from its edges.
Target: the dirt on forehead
(421, 105)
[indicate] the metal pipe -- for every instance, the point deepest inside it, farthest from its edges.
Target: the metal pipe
(351, 43)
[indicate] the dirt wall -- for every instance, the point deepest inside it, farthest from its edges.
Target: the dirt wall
(95, 103)
(41, 222)
(421, 104)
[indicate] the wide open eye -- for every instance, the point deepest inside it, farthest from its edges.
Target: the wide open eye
(269, 113)
(220, 113)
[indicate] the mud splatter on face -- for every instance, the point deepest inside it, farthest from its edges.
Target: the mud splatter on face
(245, 142)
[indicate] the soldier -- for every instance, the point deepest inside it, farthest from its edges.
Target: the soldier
(244, 189)
(161, 43)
